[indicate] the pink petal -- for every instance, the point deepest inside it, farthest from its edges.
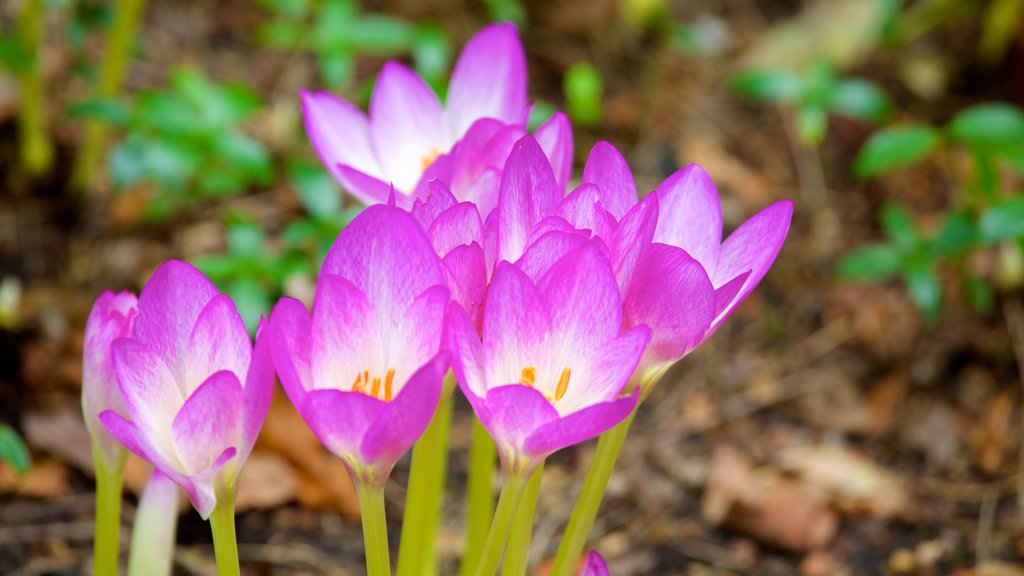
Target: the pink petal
(340, 419)
(516, 325)
(581, 207)
(607, 169)
(438, 199)
(514, 414)
(484, 148)
(289, 336)
(133, 438)
(527, 195)
(111, 318)
(726, 293)
(579, 426)
(406, 125)
(209, 422)
(418, 335)
(219, 341)
(339, 133)
(632, 237)
(673, 295)
(463, 341)
(489, 79)
(345, 334)
(151, 395)
(467, 279)
(403, 421)
(366, 188)
(753, 246)
(555, 138)
(608, 370)
(457, 226)
(259, 390)
(547, 250)
(595, 566)
(169, 305)
(690, 216)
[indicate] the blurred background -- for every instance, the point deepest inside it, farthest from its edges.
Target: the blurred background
(859, 414)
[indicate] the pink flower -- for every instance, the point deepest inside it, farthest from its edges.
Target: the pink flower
(553, 360)
(111, 318)
(595, 566)
(365, 369)
(409, 138)
(195, 390)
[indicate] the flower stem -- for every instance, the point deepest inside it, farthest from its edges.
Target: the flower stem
(517, 556)
(156, 521)
(127, 14)
(106, 546)
(575, 538)
(479, 496)
(417, 554)
(36, 149)
(225, 545)
(511, 493)
(375, 528)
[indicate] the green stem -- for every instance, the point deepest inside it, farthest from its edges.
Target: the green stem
(375, 528)
(156, 521)
(479, 496)
(511, 494)
(417, 553)
(594, 486)
(127, 14)
(225, 545)
(106, 545)
(517, 556)
(36, 149)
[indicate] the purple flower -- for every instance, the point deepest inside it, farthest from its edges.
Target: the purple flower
(594, 566)
(195, 390)
(553, 360)
(365, 369)
(111, 318)
(409, 138)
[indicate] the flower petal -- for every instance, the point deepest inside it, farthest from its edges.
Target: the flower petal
(555, 138)
(516, 326)
(169, 305)
(547, 250)
(209, 422)
(111, 318)
(673, 295)
(489, 79)
(259, 390)
(607, 169)
(367, 189)
(579, 426)
(438, 199)
(463, 342)
(632, 237)
(289, 335)
(219, 341)
(403, 421)
(753, 246)
(418, 336)
(467, 279)
(514, 415)
(345, 334)
(406, 125)
(528, 194)
(457, 226)
(581, 207)
(151, 395)
(341, 419)
(690, 216)
(603, 378)
(595, 566)
(339, 133)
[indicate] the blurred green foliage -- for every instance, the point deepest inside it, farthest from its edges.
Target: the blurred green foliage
(187, 141)
(989, 213)
(13, 449)
(584, 93)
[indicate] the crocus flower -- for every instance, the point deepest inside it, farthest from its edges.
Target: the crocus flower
(409, 138)
(365, 369)
(194, 389)
(553, 359)
(111, 318)
(594, 566)
(156, 522)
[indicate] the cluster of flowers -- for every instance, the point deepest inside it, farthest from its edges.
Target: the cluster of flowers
(470, 256)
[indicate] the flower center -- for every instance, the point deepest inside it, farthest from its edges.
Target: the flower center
(381, 390)
(529, 376)
(427, 160)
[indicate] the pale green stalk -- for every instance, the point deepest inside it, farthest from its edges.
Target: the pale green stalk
(127, 14)
(511, 494)
(517, 555)
(483, 455)
(417, 554)
(35, 145)
(375, 528)
(222, 524)
(106, 546)
(152, 551)
(596, 482)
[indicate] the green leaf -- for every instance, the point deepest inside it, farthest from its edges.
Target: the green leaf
(251, 300)
(860, 99)
(333, 23)
(811, 124)
(164, 113)
(1003, 221)
(1014, 156)
(989, 125)
(432, 53)
(979, 294)
(584, 90)
(539, 114)
(246, 154)
(283, 34)
(899, 226)
(13, 449)
(924, 287)
(337, 68)
(768, 85)
(818, 85)
(245, 239)
(317, 191)
(957, 235)
(293, 9)
(105, 109)
(170, 162)
(218, 106)
(218, 268)
(870, 263)
(125, 162)
(895, 147)
(506, 11)
(221, 183)
(13, 56)
(382, 35)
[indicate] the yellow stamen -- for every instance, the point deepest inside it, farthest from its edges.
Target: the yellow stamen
(388, 381)
(427, 160)
(357, 386)
(376, 387)
(528, 377)
(563, 384)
